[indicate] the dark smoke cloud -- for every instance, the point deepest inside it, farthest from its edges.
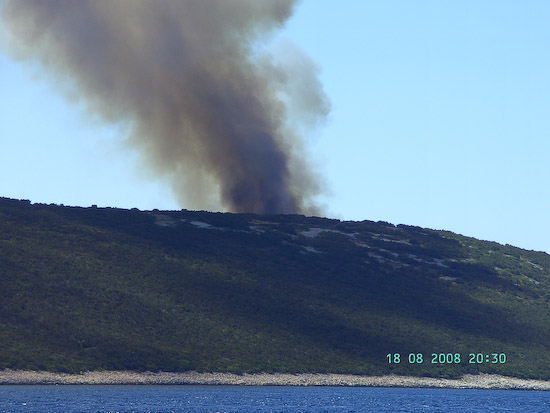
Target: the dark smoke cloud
(207, 110)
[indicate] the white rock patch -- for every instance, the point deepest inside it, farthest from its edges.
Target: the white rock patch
(447, 278)
(311, 249)
(313, 232)
(440, 262)
(397, 241)
(164, 221)
(204, 225)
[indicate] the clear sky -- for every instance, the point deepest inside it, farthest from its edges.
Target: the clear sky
(440, 118)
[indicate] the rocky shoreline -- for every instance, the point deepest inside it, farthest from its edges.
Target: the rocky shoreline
(481, 381)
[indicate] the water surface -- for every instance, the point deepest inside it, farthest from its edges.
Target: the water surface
(98, 398)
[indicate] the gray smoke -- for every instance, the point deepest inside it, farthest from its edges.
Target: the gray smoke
(222, 120)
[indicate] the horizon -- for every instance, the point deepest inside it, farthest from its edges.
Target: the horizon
(94, 206)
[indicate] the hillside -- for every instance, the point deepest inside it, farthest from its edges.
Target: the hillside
(113, 289)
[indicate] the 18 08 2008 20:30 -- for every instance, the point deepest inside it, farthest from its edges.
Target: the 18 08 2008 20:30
(447, 358)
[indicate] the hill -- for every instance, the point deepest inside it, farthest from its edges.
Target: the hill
(113, 289)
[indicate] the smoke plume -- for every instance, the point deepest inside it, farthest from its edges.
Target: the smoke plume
(209, 110)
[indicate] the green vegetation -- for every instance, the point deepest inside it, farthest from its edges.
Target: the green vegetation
(103, 288)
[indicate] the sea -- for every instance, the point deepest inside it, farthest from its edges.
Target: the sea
(145, 398)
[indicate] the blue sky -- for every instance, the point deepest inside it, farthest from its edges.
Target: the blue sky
(440, 118)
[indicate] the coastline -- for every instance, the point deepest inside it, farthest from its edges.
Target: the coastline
(481, 381)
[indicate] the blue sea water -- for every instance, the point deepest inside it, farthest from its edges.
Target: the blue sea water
(265, 399)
